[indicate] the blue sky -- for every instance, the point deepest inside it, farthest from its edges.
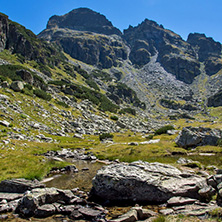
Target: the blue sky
(180, 16)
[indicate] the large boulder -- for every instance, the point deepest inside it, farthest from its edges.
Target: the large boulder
(144, 182)
(17, 86)
(198, 136)
(25, 75)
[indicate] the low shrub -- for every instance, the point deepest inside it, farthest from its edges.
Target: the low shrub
(114, 118)
(101, 75)
(42, 94)
(28, 86)
(92, 84)
(163, 129)
(105, 136)
(27, 92)
(57, 82)
(62, 104)
(9, 71)
(23, 116)
(128, 110)
(160, 218)
(219, 142)
(3, 78)
(149, 137)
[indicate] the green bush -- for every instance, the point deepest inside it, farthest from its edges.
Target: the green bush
(219, 142)
(23, 116)
(163, 129)
(28, 86)
(9, 71)
(57, 82)
(105, 136)
(149, 137)
(42, 94)
(3, 78)
(101, 75)
(128, 110)
(160, 218)
(95, 97)
(27, 92)
(92, 84)
(62, 104)
(114, 118)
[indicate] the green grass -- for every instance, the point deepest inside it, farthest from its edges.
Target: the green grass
(163, 130)
(21, 161)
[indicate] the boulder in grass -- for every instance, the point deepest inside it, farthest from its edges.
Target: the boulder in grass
(198, 136)
(17, 86)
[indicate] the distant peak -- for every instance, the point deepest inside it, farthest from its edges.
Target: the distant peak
(83, 19)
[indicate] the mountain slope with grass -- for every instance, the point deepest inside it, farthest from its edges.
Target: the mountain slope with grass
(75, 82)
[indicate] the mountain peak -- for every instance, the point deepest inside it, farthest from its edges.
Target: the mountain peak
(83, 19)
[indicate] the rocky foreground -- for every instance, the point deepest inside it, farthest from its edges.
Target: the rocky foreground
(175, 191)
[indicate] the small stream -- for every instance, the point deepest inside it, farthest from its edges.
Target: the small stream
(87, 170)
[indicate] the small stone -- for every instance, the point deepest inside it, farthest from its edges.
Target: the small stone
(3, 217)
(166, 212)
(89, 212)
(45, 210)
(4, 123)
(178, 201)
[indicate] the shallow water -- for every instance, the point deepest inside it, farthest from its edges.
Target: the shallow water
(82, 179)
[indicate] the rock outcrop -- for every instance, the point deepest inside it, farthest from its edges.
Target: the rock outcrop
(176, 56)
(145, 182)
(198, 136)
(208, 51)
(86, 36)
(104, 51)
(19, 185)
(215, 100)
(18, 39)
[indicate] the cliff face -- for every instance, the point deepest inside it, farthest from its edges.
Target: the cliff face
(103, 51)
(208, 52)
(18, 39)
(175, 55)
(4, 30)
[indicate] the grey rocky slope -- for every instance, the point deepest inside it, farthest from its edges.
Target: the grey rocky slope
(155, 62)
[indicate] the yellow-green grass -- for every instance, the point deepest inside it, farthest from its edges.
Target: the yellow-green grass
(20, 160)
(217, 113)
(121, 150)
